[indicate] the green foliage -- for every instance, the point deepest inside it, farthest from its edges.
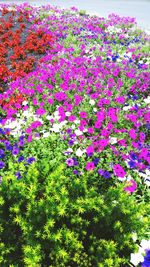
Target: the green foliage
(50, 218)
(82, 12)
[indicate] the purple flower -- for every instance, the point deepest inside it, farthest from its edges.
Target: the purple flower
(132, 164)
(70, 162)
(75, 161)
(9, 147)
(70, 142)
(15, 150)
(146, 262)
(96, 161)
(106, 174)
(30, 160)
(75, 172)
(21, 158)
(2, 131)
(69, 130)
(100, 171)
(2, 164)
(133, 156)
(2, 154)
(18, 175)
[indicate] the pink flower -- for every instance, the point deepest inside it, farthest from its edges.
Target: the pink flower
(90, 166)
(119, 171)
(71, 118)
(29, 139)
(90, 150)
(90, 130)
(29, 130)
(40, 111)
(132, 134)
(105, 132)
(130, 186)
(50, 101)
(122, 142)
(35, 102)
(83, 114)
(114, 118)
(97, 124)
(60, 96)
(69, 107)
(120, 99)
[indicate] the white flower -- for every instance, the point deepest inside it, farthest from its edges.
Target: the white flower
(134, 236)
(14, 124)
(92, 102)
(126, 108)
(24, 103)
(129, 178)
(113, 140)
(146, 176)
(27, 113)
(136, 258)
(68, 113)
(147, 172)
(94, 109)
(77, 121)
(80, 152)
(46, 134)
(122, 179)
(62, 123)
(48, 117)
(129, 54)
(69, 150)
(56, 113)
(147, 182)
(78, 132)
(56, 128)
(147, 100)
(145, 244)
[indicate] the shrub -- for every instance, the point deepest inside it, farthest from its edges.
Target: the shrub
(50, 218)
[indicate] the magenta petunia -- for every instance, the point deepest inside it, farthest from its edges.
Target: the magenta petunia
(119, 171)
(90, 166)
(130, 186)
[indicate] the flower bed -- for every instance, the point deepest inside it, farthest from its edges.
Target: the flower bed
(74, 137)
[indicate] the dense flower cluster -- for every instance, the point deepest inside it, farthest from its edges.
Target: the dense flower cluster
(19, 45)
(92, 89)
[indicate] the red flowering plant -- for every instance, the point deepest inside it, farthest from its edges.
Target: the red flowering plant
(20, 47)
